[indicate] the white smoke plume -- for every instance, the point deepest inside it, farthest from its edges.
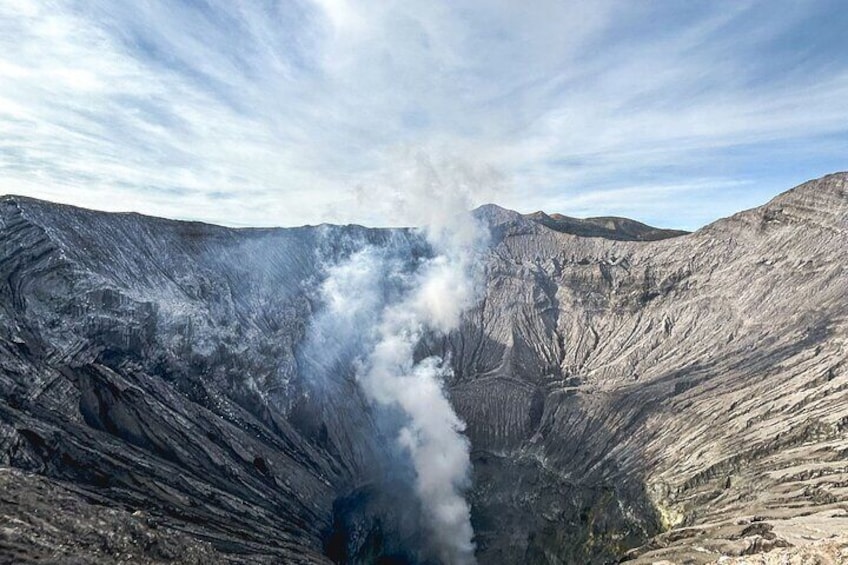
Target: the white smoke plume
(435, 194)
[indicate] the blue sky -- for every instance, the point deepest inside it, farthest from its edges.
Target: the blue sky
(283, 113)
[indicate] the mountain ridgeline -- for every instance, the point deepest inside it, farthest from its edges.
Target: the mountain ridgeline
(629, 393)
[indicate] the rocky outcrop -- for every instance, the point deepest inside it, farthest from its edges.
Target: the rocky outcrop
(629, 392)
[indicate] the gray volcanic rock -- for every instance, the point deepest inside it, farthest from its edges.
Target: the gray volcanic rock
(153, 362)
(629, 392)
(47, 521)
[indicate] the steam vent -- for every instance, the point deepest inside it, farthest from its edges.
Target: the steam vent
(534, 388)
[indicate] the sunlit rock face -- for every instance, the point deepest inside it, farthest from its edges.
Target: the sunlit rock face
(627, 391)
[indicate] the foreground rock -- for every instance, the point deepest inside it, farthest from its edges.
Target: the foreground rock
(629, 392)
(45, 521)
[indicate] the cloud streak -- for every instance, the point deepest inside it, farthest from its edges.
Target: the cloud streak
(270, 113)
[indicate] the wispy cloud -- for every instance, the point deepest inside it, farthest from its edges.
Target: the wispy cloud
(280, 113)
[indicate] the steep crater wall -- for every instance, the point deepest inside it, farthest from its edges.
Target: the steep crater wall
(612, 389)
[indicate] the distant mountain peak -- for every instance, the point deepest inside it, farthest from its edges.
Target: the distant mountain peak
(607, 227)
